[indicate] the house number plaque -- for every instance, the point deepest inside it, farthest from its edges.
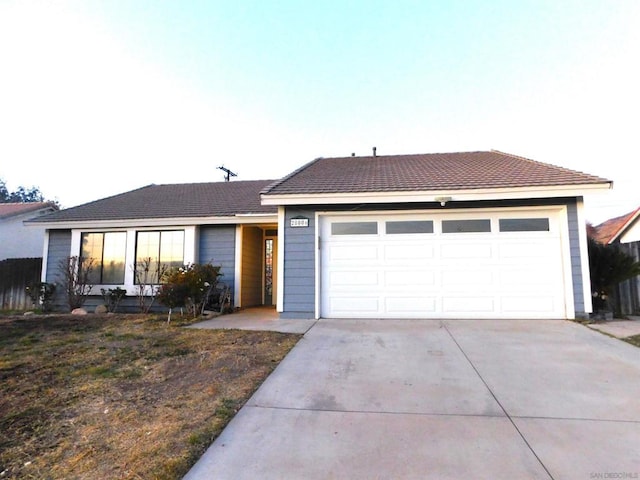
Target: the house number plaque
(299, 222)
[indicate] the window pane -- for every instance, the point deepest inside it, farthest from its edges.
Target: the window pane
(354, 228)
(411, 226)
(113, 258)
(147, 256)
(92, 250)
(465, 226)
(172, 249)
(156, 252)
(524, 224)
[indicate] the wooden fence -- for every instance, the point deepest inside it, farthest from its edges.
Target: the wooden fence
(627, 294)
(15, 275)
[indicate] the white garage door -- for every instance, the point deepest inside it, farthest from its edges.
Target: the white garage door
(497, 264)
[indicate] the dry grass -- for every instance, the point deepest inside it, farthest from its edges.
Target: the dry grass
(121, 396)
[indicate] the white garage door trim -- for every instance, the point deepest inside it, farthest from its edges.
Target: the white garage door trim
(457, 275)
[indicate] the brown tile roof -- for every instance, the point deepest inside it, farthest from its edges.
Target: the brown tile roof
(216, 199)
(425, 172)
(12, 209)
(611, 229)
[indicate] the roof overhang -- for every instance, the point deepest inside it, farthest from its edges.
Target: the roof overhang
(257, 218)
(630, 231)
(452, 195)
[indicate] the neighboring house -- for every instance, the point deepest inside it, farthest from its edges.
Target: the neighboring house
(624, 233)
(17, 240)
(454, 235)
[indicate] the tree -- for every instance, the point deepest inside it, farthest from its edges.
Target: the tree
(609, 266)
(22, 195)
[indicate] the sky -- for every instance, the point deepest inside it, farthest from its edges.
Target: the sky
(102, 97)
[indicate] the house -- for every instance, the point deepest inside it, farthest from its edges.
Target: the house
(624, 233)
(454, 235)
(16, 240)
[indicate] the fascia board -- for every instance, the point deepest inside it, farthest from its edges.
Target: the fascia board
(431, 196)
(630, 232)
(160, 222)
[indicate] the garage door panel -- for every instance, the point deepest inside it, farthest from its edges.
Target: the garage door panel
(518, 250)
(355, 305)
(354, 279)
(408, 252)
(465, 251)
(413, 306)
(468, 304)
(458, 278)
(353, 253)
(409, 279)
(537, 304)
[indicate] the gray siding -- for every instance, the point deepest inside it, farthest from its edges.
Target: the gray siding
(58, 250)
(299, 262)
(576, 263)
(218, 247)
(299, 266)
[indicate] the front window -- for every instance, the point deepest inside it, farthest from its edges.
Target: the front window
(157, 252)
(107, 253)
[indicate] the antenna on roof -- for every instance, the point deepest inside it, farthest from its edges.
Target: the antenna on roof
(228, 173)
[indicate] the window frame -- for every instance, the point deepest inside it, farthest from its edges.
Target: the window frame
(100, 279)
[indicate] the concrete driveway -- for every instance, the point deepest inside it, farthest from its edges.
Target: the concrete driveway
(420, 399)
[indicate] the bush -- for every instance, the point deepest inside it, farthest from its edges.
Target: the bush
(41, 294)
(190, 287)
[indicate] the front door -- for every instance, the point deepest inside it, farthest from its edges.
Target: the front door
(270, 265)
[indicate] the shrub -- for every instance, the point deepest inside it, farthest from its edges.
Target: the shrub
(42, 294)
(190, 287)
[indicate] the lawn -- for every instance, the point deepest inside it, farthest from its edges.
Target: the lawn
(121, 396)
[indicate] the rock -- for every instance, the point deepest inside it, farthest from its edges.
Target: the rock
(78, 311)
(101, 309)
(26, 314)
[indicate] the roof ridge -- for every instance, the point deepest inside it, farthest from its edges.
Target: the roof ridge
(273, 185)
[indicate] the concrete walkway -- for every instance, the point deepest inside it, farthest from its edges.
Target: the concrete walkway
(393, 399)
(619, 328)
(258, 318)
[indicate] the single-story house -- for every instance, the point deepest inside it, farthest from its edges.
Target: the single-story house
(624, 233)
(455, 235)
(16, 240)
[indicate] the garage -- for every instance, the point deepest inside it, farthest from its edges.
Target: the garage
(494, 263)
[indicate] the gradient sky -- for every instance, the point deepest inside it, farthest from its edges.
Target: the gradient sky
(101, 97)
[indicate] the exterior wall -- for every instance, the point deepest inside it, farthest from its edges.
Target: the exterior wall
(251, 284)
(18, 241)
(299, 248)
(576, 259)
(58, 250)
(217, 246)
(299, 266)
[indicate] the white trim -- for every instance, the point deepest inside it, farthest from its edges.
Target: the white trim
(237, 300)
(130, 251)
(462, 195)
(567, 271)
(280, 272)
(45, 257)
(318, 266)
(584, 256)
(562, 224)
(160, 222)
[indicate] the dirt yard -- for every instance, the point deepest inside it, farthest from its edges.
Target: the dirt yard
(121, 396)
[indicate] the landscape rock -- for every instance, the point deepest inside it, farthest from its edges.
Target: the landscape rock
(101, 309)
(78, 311)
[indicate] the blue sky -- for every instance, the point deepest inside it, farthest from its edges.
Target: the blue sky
(101, 97)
